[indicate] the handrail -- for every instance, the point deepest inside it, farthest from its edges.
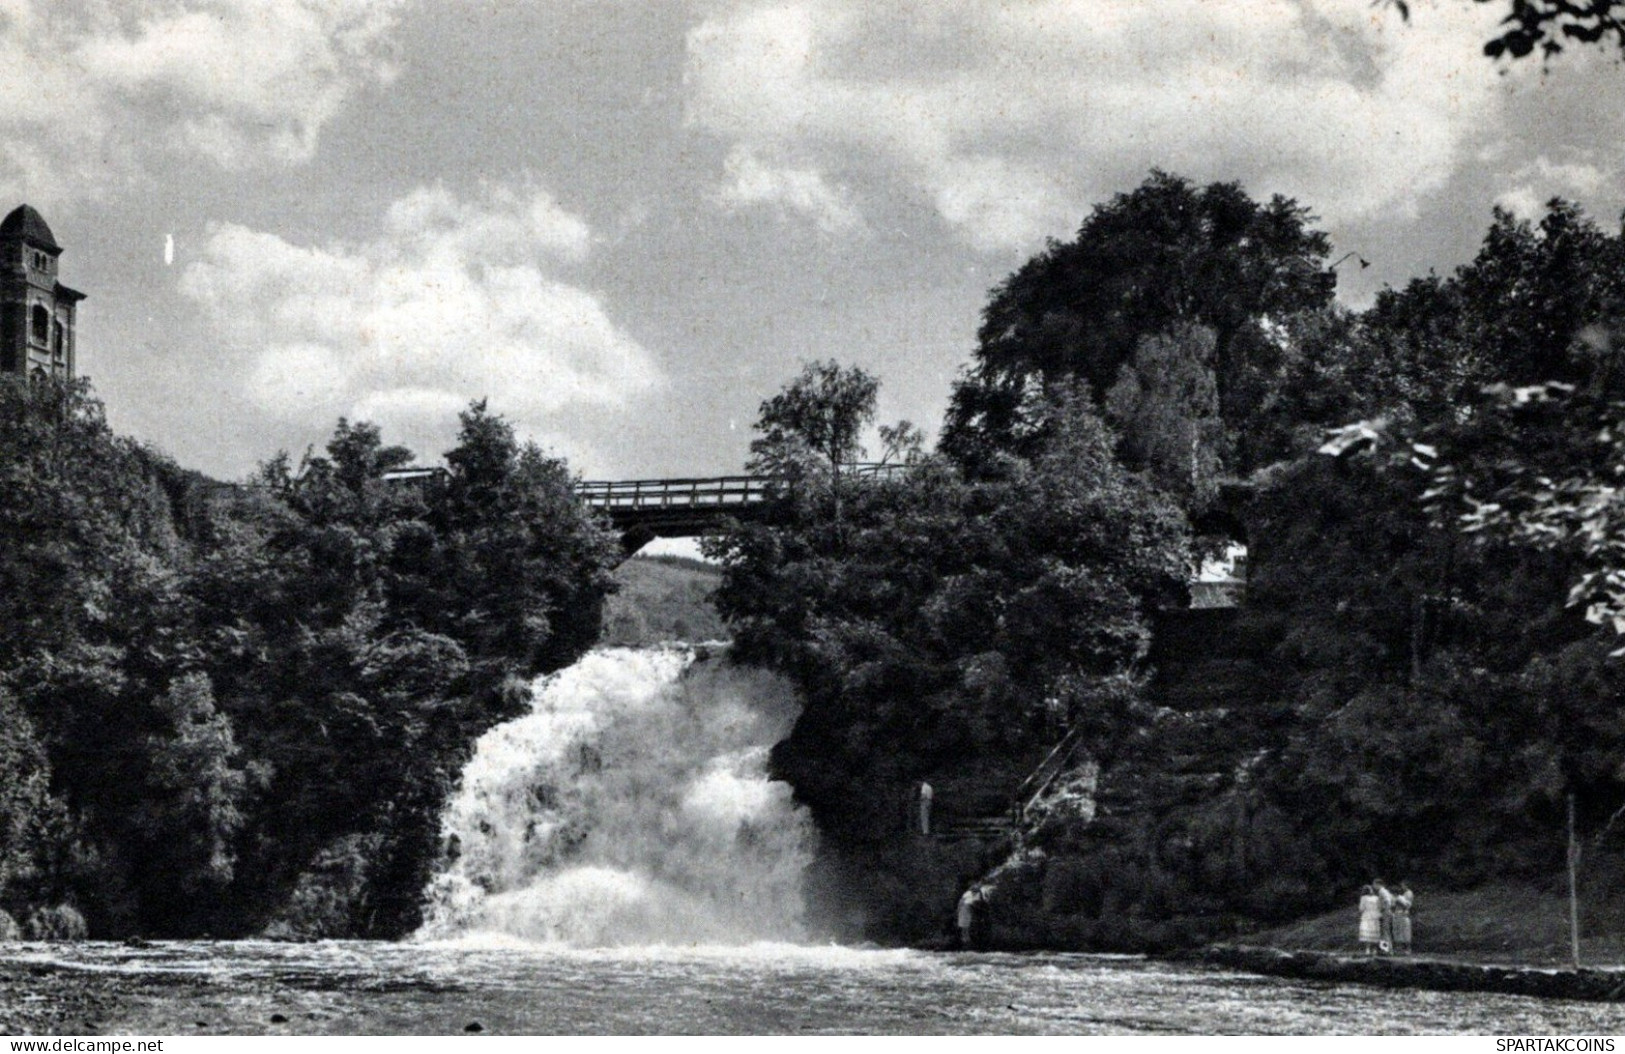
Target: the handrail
(1054, 763)
(674, 493)
(694, 492)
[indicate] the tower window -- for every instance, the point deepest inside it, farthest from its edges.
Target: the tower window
(41, 324)
(56, 342)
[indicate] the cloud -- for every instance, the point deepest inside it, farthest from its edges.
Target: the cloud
(1012, 118)
(235, 82)
(454, 300)
(1523, 202)
(793, 190)
(1541, 180)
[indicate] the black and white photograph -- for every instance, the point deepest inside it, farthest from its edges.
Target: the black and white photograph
(878, 518)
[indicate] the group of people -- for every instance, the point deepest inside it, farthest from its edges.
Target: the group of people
(1385, 918)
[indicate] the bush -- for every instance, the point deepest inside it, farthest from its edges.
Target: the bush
(59, 923)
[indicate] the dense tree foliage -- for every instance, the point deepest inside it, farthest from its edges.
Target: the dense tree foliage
(1420, 677)
(938, 624)
(1156, 263)
(1429, 693)
(227, 707)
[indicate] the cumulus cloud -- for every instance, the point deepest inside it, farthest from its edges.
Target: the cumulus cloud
(235, 82)
(793, 190)
(1012, 118)
(454, 300)
(1536, 183)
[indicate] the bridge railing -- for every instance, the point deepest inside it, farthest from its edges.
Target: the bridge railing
(716, 492)
(710, 492)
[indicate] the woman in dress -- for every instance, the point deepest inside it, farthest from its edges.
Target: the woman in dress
(1370, 919)
(1402, 918)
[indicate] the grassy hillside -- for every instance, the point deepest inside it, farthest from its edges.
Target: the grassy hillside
(663, 598)
(1501, 923)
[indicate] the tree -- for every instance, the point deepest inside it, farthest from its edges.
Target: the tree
(348, 483)
(1165, 257)
(33, 824)
(507, 561)
(819, 416)
(1533, 289)
(1540, 24)
(1545, 25)
(1166, 409)
(952, 625)
(1537, 467)
(813, 429)
(192, 809)
(1526, 452)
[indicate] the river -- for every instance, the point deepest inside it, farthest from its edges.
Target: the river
(506, 987)
(618, 861)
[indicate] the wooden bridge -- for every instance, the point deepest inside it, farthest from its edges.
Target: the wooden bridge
(646, 509)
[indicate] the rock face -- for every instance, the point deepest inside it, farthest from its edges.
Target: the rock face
(883, 875)
(1594, 985)
(1165, 843)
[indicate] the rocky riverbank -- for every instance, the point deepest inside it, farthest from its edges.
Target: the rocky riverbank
(1596, 985)
(45, 1000)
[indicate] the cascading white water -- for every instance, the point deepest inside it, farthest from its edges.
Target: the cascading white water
(630, 806)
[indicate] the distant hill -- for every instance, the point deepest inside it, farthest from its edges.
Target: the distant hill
(663, 598)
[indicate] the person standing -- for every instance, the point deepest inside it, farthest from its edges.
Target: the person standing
(1403, 901)
(1370, 919)
(966, 915)
(1385, 896)
(981, 922)
(926, 794)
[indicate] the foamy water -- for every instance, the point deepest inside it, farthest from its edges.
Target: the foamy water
(505, 985)
(631, 806)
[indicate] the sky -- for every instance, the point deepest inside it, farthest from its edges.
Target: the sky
(626, 224)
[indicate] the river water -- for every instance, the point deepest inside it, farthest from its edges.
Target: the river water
(504, 987)
(617, 861)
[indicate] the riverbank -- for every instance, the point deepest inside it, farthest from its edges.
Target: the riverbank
(1590, 984)
(1509, 939)
(1509, 924)
(42, 1000)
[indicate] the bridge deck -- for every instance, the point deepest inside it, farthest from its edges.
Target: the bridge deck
(649, 495)
(644, 509)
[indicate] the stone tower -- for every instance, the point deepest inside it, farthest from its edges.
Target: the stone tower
(36, 311)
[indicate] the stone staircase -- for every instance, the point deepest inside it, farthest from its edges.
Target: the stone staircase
(1211, 686)
(981, 828)
(1211, 678)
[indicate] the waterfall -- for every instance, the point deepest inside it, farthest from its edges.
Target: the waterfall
(630, 806)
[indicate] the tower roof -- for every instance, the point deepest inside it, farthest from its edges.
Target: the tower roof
(26, 224)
